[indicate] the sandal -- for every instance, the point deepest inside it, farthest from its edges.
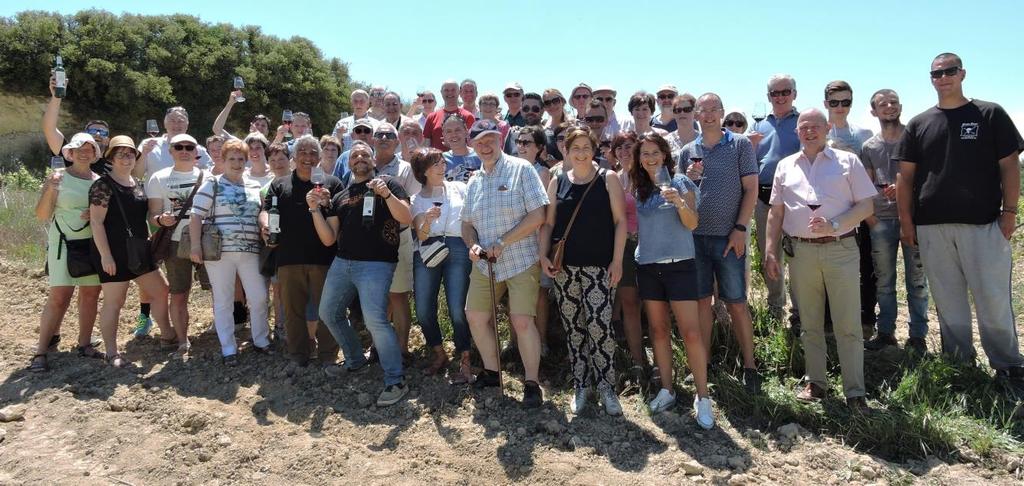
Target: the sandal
(89, 351)
(39, 364)
(118, 361)
(465, 374)
(440, 362)
(168, 344)
(54, 341)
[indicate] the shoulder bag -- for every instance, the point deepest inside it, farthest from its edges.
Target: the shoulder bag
(160, 242)
(209, 238)
(78, 252)
(137, 247)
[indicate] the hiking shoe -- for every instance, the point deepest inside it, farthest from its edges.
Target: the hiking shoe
(811, 393)
(392, 394)
(579, 402)
(230, 360)
(610, 400)
(1012, 381)
(142, 325)
(858, 405)
(486, 379)
(705, 415)
(916, 345)
(663, 401)
(881, 340)
(533, 396)
(333, 370)
(752, 381)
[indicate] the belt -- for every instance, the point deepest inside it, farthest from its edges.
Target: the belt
(825, 239)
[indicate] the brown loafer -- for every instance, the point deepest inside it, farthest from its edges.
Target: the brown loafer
(858, 405)
(811, 393)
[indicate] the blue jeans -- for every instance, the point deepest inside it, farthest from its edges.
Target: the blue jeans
(371, 281)
(730, 271)
(885, 243)
(455, 272)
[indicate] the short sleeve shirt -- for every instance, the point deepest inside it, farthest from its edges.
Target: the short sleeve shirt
(432, 127)
(452, 201)
(299, 242)
(460, 167)
(780, 141)
(173, 188)
(236, 212)
(496, 202)
(876, 156)
(378, 241)
(721, 185)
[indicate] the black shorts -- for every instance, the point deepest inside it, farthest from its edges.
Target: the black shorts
(668, 281)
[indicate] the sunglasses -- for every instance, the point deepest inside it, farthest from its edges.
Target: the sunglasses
(594, 119)
(950, 71)
(781, 92)
(184, 147)
(682, 109)
(362, 131)
(98, 131)
(523, 141)
(531, 109)
(666, 96)
(386, 136)
(429, 100)
(488, 103)
(735, 123)
(605, 99)
(837, 103)
(376, 95)
(513, 94)
(580, 96)
(552, 101)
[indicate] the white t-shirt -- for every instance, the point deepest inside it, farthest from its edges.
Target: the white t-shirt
(161, 158)
(453, 199)
(349, 122)
(173, 188)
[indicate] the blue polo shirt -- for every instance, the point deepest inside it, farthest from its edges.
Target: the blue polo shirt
(721, 187)
(780, 141)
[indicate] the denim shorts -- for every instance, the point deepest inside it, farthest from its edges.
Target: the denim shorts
(667, 281)
(729, 271)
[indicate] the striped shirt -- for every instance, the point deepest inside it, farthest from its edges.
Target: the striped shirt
(236, 212)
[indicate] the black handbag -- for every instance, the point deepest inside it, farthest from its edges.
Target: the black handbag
(139, 255)
(79, 258)
(268, 261)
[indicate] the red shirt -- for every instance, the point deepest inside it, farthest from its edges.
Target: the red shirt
(432, 127)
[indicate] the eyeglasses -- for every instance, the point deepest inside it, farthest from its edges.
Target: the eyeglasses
(734, 123)
(376, 94)
(531, 109)
(780, 92)
(429, 100)
(98, 131)
(682, 109)
(512, 94)
(950, 71)
(488, 103)
(386, 136)
(552, 101)
(187, 147)
(837, 103)
(581, 96)
(594, 119)
(604, 99)
(362, 131)
(666, 96)
(523, 141)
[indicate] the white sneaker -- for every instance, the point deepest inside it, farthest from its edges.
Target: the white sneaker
(611, 401)
(664, 401)
(705, 416)
(579, 403)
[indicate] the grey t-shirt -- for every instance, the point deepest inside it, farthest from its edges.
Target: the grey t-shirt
(850, 138)
(721, 188)
(875, 154)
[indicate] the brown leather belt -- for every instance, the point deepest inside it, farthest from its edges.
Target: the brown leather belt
(825, 239)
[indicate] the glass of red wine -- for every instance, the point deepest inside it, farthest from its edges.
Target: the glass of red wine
(697, 161)
(882, 182)
(152, 129)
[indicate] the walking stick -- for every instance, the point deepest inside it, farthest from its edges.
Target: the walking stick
(494, 317)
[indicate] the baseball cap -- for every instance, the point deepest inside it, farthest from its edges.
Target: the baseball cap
(513, 86)
(667, 87)
(605, 89)
(483, 127)
(183, 137)
(363, 122)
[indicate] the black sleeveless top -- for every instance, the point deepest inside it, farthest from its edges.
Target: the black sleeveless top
(592, 236)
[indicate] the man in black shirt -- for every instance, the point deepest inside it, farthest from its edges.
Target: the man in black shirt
(957, 196)
(302, 260)
(365, 220)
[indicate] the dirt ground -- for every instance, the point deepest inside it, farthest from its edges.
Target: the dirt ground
(197, 422)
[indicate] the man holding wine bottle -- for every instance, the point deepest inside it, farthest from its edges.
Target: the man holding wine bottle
(957, 196)
(885, 232)
(819, 198)
(722, 164)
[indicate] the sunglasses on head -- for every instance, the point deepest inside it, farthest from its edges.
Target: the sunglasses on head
(950, 71)
(386, 136)
(594, 119)
(531, 109)
(184, 147)
(735, 123)
(682, 109)
(780, 92)
(552, 101)
(98, 131)
(362, 130)
(512, 94)
(838, 103)
(523, 141)
(666, 96)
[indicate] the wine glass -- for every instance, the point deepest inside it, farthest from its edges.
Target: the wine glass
(664, 182)
(760, 113)
(882, 181)
(697, 161)
(239, 84)
(317, 177)
(286, 120)
(152, 129)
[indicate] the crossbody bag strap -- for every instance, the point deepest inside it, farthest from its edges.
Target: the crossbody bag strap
(188, 202)
(599, 175)
(120, 207)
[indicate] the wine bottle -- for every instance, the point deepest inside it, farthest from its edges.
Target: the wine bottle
(368, 201)
(274, 223)
(60, 78)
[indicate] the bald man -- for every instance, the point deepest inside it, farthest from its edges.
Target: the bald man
(819, 198)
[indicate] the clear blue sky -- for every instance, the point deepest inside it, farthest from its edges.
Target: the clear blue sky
(640, 44)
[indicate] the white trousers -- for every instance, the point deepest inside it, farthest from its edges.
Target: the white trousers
(222, 278)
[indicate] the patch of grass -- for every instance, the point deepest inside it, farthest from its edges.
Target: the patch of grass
(22, 237)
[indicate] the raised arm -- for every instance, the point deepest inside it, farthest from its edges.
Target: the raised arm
(54, 138)
(222, 117)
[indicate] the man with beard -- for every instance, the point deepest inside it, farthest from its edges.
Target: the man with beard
(532, 110)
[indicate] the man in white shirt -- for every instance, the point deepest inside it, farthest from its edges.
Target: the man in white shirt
(156, 151)
(360, 101)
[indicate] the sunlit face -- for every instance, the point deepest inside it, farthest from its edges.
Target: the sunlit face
(641, 113)
(553, 105)
(360, 102)
(709, 114)
(410, 131)
(607, 98)
(665, 99)
(360, 161)
(435, 173)
(514, 100)
(450, 93)
(781, 94)
(581, 151)
(175, 123)
(123, 158)
(812, 131)
(84, 154)
(454, 133)
(306, 158)
(385, 140)
(100, 133)
(887, 107)
(256, 149)
(362, 133)
(651, 156)
(214, 149)
(329, 152)
(279, 164)
(526, 147)
(184, 152)
(468, 93)
(948, 84)
(377, 97)
(580, 98)
(488, 146)
(532, 111)
(624, 154)
(301, 126)
(596, 119)
(260, 125)
(683, 110)
(839, 98)
(488, 107)
(234, 163)
(392, 106)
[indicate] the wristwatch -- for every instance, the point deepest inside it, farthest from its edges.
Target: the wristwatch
(739, 227)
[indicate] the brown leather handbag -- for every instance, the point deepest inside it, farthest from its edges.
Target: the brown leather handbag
(160, 242)
(558, 248)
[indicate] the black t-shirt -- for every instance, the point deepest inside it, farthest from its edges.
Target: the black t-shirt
(592, 236)
(957, 154)
(374, 243)
(299, 243)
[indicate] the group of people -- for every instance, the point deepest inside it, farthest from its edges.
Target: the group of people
(615, 221)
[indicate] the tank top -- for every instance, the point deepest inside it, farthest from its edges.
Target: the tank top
(592, 236)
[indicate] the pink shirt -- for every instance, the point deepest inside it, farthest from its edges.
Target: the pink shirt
(836, 179)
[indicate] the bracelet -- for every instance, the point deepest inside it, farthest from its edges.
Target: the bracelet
(388, 196)
(1011, 211)
(314, 210)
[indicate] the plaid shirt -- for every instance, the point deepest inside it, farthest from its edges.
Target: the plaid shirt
(496, 202)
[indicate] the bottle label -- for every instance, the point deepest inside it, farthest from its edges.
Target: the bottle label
(60, 78)
(274, 223)
(368, 206)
